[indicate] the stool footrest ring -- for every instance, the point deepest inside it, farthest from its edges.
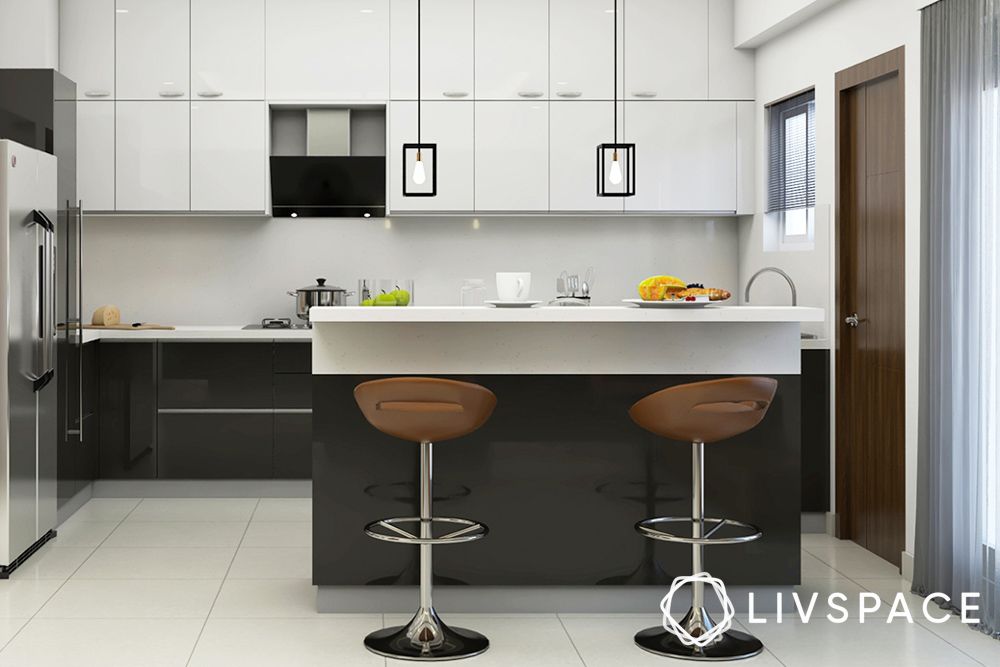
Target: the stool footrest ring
(649, 528)
(460, 530)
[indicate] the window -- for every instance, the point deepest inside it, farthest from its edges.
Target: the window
(791, 178)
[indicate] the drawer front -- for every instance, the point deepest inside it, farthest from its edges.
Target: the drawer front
(215, 375)
(293, 357)
(215, 446)
(293, 446)
(292, 390)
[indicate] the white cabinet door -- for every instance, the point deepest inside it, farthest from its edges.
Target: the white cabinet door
(746, 129)
(512, 49)
(512, 156)
(152, 156)
(666, 49)
(227, 49)
(87, 46)
(450, 126)
(152, 52)
(95, 155)
(576, 130)
(228, 156)
(448, 31)
(730, 70)
(685, 155)
(324, 50)
(581, 49)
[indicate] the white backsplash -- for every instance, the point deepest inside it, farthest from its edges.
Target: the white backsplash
(220, 270)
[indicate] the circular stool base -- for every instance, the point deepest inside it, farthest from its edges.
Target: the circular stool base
(458, 643)
(733, 645)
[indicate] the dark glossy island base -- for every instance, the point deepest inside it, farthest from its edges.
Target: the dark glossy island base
(560, 474)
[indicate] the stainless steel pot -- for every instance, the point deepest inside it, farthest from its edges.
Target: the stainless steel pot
(319, 294)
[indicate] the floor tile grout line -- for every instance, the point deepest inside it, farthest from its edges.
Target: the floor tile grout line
(570, 638)
(225, 577)
(93, 550)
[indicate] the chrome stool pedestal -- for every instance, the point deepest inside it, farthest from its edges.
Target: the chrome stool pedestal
(426, 637)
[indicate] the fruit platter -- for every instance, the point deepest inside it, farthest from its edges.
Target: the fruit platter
(671, 291)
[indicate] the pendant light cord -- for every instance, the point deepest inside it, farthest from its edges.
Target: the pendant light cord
(419, 74)
(615, 91)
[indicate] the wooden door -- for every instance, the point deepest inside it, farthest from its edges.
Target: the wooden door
(870, 352)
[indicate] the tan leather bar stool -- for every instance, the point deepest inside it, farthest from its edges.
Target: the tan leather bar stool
(699, 413)
(425, 410)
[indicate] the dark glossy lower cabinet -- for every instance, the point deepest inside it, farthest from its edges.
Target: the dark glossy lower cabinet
(127, 409)
(206, 410)
(215, 446)
(815, 430)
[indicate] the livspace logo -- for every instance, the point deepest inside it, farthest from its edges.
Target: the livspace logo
(838, 610)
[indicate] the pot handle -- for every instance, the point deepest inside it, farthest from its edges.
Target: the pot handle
(292, 293)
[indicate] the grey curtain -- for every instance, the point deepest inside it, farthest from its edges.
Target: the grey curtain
(958, 488)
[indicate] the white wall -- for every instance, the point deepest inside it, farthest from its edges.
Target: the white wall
(809, 55)
(236, 270)
(758, 21)
(29, 34)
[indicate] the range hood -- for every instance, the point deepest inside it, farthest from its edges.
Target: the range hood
(324, 176)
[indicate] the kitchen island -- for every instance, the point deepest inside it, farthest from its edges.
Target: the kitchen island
(560, 473)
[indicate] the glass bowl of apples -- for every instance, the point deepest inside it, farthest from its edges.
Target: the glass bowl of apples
(385, 292)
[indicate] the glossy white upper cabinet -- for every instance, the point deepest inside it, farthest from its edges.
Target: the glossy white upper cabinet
(95, 155)
(512, 156)
(666, 49)
(152, 156)
(152, 49)
(227, 49)
(730, 71)
(581, 49)
(450, 126)
(447, 52)
(685, 156)
(576, 130)
(746, 128)
(87, 46)
(512, 49)
(326, 50)
(228, 156)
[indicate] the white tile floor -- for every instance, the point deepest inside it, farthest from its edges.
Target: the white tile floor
(219, 582)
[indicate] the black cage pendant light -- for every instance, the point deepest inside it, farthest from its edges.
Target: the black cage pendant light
(616, 161)
(419, 158)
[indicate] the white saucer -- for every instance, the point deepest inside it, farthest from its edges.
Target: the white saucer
(513, 304)
(668, 304)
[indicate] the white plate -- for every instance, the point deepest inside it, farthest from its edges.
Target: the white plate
(668, 304)
(513, 304)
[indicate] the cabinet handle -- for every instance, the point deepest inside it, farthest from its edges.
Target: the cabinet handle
(97, 93)
(569, 93)
(455, 93)
(529, 93)
(171, 93)
(646, 94)
(210, 93)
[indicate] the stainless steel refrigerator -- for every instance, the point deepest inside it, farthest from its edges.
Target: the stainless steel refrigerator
(28, 393)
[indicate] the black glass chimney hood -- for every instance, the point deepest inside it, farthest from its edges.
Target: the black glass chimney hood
(328, 186)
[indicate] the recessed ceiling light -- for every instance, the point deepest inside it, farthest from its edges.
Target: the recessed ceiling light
(609, 11)
(562, 83)
(168, 83)
(121, 11)
(367, 11)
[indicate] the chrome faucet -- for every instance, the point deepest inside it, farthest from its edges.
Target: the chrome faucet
(772, 269)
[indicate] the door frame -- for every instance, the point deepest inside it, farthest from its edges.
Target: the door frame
(886, 64)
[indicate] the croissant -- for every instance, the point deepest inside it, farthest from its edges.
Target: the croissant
(713, 293)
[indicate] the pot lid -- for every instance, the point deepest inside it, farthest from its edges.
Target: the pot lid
(321, 286)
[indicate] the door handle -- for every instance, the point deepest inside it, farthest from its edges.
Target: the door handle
(569, 93)
(531, 94)
(853, 320)
(455, 94)
(171, 93)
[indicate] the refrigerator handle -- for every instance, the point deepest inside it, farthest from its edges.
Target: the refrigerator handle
(79, 308)
(46, 300)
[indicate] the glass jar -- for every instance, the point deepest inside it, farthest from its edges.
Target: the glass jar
(473, 292)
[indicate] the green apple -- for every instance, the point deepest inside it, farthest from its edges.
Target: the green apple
(402, 297)
(368, 302)
(385, 300)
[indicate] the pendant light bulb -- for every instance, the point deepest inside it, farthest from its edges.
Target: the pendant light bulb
(616, 169)
(419, 173)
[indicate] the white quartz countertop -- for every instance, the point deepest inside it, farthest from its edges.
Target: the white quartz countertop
(614, 314)
(206, 333)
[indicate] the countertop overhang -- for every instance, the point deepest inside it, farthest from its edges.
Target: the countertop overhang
(564, 314)
(233, 332)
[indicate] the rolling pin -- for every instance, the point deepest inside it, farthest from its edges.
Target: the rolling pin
(107, 316)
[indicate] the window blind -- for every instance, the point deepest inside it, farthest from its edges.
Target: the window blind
(791, 177)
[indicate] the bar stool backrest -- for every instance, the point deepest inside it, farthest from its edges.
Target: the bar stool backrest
(706, 411)
(421, 409)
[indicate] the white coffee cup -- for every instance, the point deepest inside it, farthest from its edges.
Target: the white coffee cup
(513, 286)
